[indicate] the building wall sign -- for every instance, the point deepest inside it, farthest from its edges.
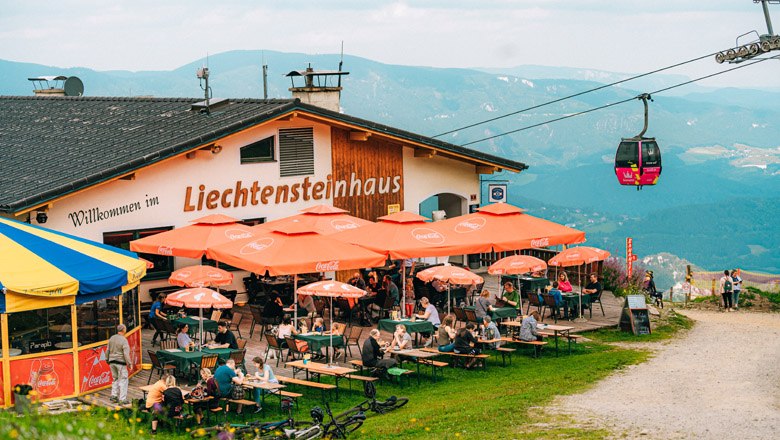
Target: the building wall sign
(243, 194)
(99, 214)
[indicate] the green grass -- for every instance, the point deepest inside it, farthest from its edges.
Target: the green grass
(496, 403)
(666, 328)
(773, 298)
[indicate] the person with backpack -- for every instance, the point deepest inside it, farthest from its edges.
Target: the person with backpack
(726, 288)
(736, 283)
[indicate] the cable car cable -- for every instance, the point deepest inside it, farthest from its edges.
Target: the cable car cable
(576, 94)
(620, 102)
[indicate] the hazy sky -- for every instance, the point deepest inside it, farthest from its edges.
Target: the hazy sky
(617, 35)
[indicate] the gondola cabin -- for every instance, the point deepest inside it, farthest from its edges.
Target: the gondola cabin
(638, 162)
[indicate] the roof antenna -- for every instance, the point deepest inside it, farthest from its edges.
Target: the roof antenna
(341, 61)
(265, 76)
(203, 75)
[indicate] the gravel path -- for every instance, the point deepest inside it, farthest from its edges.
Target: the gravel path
(719, 381)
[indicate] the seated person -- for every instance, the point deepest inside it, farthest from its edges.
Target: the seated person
(226, 376)
(155, 399)
(183, 337)
(556, 293)
(482, 305)
(563, 283)
(466, 343)
(209, 387)
(286, 330)
(447, 334)
(318, 326)
(431, 315)
(511, 297)
(173, 399)
(372, 352)
(490, 332)
(528, 330)
(264, 374)
(401, 339)
(357, 281)
(274, 308)
(224, 338)
(306, 302)
(593, 288)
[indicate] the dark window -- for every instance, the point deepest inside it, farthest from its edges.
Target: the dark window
(651, 155)
(296, 152)
(130, 310)
(627, 155)
(260, 151)
(42, 330)
(163, 265)
(253, 221)
(97, 320)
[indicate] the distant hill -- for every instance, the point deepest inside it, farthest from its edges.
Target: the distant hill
(719, 145)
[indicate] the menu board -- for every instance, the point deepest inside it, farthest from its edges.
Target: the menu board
(636, 302)
(635, 317)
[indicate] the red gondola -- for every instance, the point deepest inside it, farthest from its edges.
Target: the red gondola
(638, 159)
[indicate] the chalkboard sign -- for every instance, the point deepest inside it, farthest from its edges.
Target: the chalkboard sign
(635, 317)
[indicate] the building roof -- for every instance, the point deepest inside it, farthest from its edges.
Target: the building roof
(54, 146)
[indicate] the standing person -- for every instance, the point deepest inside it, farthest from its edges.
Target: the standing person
(650, 289)
(392, 290)
(736, 284)
(409, 296)
(372, 353)
(119, 362)
(726, 289)
(155, 314)
(224, 338)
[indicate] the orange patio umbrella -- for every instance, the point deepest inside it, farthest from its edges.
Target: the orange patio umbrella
(149, 264)
(324, 219)
(198, 298)
(517, 265)
(450, 275)
(200, 276)
(192, 241)
(331, 289)
(291, 250)
(404, 235)
(503, 227)
(577, 256)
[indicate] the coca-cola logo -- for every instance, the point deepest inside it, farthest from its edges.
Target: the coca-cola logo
(540, 242)
(237, 234)
(343, 225)
(427, 235)
(471, 225)
(165, 250)
(327, 266)
(103, 379)
(256, 246)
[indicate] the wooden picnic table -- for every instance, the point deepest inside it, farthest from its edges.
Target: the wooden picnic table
(557, 330)
(272, 388)
(413, 354)
(318, 369)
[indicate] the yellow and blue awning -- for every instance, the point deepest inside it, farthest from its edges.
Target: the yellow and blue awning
(44, 268)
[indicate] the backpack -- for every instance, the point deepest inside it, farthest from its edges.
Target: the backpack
(237, 392)
(727, 284)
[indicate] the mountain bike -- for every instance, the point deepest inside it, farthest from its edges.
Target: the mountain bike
(339, 426)
(377, 406)
(281, 429)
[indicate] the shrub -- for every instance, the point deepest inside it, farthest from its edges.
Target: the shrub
(615, 278)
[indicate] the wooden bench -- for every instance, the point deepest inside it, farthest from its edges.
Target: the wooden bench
(241, 403)
(436, 366)
(506, 352)
(537, 345)
(400, 374)
(569, 337)
(323, 387)
(460, 356)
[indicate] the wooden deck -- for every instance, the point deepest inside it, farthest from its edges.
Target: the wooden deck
(257, 345)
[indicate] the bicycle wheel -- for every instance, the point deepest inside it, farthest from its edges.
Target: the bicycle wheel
(399, 402)
(353, 424)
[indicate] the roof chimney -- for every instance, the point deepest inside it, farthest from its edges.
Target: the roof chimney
(318, 88)
(57, 86)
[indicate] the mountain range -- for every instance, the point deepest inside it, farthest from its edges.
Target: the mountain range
(715, 200)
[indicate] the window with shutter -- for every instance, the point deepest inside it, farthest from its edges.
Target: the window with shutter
(296, 151)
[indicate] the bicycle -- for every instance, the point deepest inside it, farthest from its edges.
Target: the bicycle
(281, 429)
(379, 407)
(339, 426)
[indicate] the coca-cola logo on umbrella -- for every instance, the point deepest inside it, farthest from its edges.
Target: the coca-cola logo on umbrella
(165, 250)
(256, 246)
(343, 225)
(427, 235)
(471, 225)
(540, 242)
(237, 234)
(327, 266)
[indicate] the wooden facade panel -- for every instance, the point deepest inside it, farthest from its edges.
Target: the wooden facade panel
(367, 175)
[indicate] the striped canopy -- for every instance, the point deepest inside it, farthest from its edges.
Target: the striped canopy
(42, 268)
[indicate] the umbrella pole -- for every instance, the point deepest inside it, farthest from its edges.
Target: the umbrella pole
(295, 301)
(579, 278)
(403, 288)
(449, 300)
(519, 295)
(200, 315)
(330, 352)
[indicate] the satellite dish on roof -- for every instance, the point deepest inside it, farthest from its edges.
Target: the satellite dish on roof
(73, 86)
